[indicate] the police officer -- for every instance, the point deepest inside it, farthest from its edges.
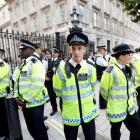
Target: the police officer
(39, 55)
(30, 92)
(101, 64)
(136, 64)
(52, 66)
(4, 86)
(76, 81)
(117, 88)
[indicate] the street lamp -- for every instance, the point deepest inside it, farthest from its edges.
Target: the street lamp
(75, 19)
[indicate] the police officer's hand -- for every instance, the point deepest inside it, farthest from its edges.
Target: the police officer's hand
(54, 69)
(20, 102)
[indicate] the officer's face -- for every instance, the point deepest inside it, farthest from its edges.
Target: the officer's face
(38, 51)
(26, 52)
(126, 58)
(55, 54)
(77, 52)
(102, 51)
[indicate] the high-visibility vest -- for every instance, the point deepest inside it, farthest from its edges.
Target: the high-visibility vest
(29, 83)
(67, 89)
(137, 73)
(136, 64)
(4, 78)
(119, 92)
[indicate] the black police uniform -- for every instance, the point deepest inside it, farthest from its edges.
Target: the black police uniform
(100, 70)
(49, 83)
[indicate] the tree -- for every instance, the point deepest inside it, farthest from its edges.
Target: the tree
(133, 8)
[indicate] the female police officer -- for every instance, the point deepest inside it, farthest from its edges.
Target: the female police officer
(117, 88)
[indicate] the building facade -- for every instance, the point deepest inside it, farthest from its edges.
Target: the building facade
(104, 21)
(5, 18)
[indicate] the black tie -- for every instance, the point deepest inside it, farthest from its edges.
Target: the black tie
(78, 66)
(124, 69)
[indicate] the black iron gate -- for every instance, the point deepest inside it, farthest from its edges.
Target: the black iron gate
(9, 41)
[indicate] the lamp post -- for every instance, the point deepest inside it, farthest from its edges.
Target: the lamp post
(75, 20)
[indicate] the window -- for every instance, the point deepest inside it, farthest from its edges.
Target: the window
(23, 3)
(95, 24)
(121, 29)
(34, 3)
(62, 12)
(114, 26)
(82, 13)
(105, 4)
(34, 23)
(24, 25)
(114, 13)
(96, 18)
(16, 25)
(3, 14)
(106, 23)
(46, 16)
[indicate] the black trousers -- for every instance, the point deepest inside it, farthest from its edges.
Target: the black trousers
(4, 131)
(52, 95)
(138, 99)
(102, 102)
(132, 123)
(71, 132)
(35, 124)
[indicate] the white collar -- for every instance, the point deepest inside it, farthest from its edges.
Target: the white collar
(1, 60)
(75, 63)
(29, 58)
(54, 59)
(36, 54)
(99, 55)
(120, 65)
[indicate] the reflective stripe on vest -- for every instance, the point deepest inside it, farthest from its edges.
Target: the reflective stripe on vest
(74, 97)
(85, 118)
(121, 115)
(81, 86)
(31, 79)
(120, 96)
(40, 101)
(29, 86)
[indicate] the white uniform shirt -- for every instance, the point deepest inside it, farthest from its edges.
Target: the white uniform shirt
(101, 61)
(73, 63)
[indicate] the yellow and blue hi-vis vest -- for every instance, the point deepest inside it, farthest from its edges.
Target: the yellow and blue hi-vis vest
(65, 87)
(4, 78)
(29, 83)
(119, 92)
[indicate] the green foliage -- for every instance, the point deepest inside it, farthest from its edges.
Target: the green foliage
(133, 8)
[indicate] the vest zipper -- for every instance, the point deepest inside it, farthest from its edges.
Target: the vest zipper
(127, 86)
(127, 91)
(79, 98)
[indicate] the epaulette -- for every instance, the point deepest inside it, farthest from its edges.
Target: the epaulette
(67, 69)
(34, 60)
(91, 63)
(109, 69)
(1, 64)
